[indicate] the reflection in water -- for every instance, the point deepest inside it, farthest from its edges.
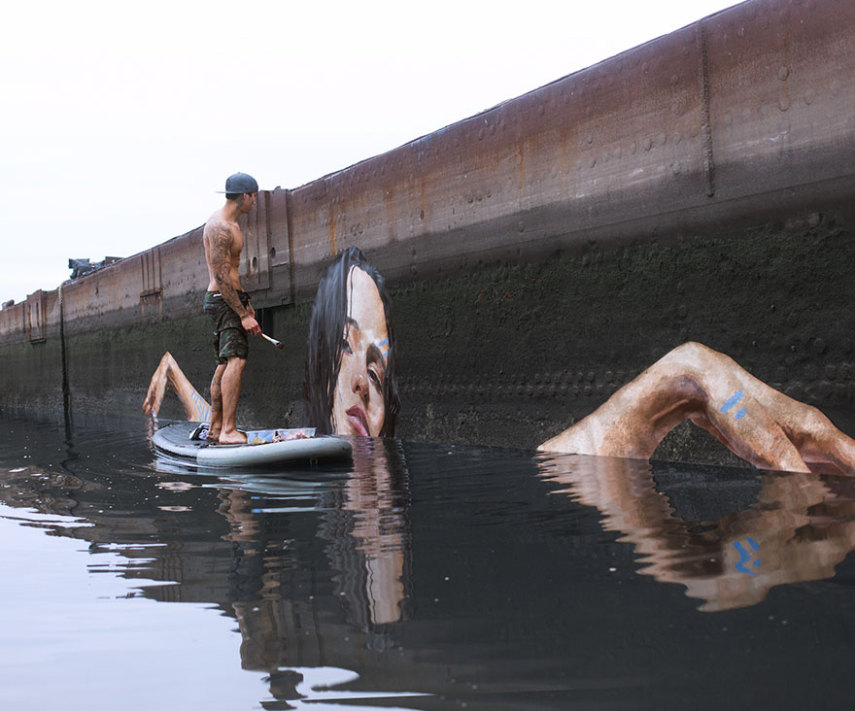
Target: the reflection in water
(311, 688)
(363, 529)
(801, 527)
(376, 501)
(495, 578)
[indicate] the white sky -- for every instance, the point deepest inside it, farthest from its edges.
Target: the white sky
(121, 120)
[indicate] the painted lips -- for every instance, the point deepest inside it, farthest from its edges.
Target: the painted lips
(358, 421)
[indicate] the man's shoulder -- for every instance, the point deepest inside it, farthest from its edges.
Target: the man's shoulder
(218, 225)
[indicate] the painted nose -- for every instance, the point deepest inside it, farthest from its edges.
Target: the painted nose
(360, 385)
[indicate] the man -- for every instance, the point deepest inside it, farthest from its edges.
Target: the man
(227, 306)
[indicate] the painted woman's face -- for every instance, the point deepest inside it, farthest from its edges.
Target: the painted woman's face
(358, 404)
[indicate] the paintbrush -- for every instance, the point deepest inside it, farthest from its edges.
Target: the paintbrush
(276, 343)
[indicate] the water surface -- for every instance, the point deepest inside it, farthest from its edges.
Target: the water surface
(419, 576)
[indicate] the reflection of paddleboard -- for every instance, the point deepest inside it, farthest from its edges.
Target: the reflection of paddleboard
(186, 440)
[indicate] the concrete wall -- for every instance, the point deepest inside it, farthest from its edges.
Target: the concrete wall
(540, 253)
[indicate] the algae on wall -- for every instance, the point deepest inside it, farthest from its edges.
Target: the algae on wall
(510, 353)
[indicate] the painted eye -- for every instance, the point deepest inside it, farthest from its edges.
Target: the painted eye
(375, 379)
(345, 346)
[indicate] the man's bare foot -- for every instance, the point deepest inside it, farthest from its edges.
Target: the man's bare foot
(235, 437)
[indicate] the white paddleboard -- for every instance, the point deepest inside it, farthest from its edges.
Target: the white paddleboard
(264, 447)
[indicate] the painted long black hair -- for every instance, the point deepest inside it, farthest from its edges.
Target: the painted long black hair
(326, 327)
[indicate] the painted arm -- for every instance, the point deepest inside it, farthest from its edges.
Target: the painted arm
(168, 373)
(756, 422)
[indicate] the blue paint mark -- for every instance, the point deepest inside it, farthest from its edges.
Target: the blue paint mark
(745, 556)
(202, 408)
(384, 342)
(735, 398)
(731, 403)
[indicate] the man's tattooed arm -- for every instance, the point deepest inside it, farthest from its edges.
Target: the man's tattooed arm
(222, 265)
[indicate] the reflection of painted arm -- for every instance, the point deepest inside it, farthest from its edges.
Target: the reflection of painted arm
(798, 531)
(168, 372)
(756, 422)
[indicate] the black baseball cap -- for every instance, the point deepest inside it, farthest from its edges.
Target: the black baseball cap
(240, 183)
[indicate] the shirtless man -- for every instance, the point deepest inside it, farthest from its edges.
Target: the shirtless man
(227, 306)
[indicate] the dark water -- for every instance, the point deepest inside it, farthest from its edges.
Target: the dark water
(422, 576)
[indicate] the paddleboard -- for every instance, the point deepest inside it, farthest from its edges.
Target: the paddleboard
(187, 440)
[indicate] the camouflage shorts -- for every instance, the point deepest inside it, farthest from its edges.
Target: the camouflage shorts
(230, 339)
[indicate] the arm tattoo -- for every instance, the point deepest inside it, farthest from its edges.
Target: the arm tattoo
(221, 243)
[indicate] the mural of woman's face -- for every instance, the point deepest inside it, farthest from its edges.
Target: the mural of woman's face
(358, 402)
